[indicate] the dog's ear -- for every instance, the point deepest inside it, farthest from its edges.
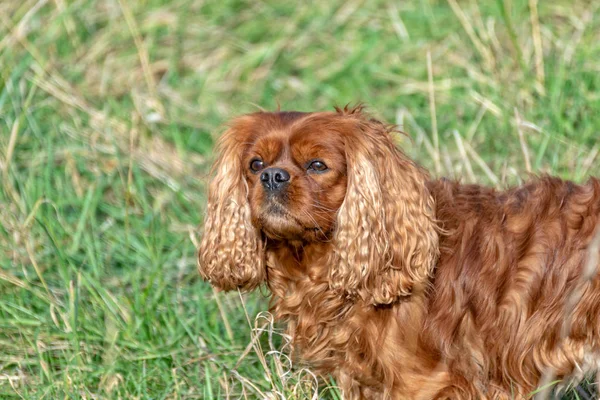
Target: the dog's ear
(386, 239)
(231, 253)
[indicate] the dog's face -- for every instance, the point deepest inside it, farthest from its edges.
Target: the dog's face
(295, 169)
(331, 178)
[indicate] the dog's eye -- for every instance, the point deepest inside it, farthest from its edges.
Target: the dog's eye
(256, 165)
(317, 166)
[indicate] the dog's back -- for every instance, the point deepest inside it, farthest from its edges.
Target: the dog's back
(516, 295)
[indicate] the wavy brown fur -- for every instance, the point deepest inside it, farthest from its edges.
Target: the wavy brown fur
(400, 286)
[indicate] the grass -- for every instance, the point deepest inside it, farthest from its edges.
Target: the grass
(108, 113)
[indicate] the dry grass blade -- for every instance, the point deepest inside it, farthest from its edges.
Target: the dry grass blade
(20, 29)
(481, 163)
(523, 142)
(575, 39)
(468, 27)
(434, 128)
(223, 315)
(590, 159)
(463, 155)
(142, 52)
(276, 362)
(398, 24)
(11, 146)
(537, 46)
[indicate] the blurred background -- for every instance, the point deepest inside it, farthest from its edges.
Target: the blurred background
(108, 114)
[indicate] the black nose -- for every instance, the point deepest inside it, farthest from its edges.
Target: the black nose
(274, 179)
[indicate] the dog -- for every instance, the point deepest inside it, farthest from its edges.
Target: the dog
(399, 285)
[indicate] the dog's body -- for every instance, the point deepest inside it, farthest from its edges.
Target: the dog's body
(404, 287)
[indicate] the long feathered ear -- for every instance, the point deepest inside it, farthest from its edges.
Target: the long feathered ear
(386, 240)
(231, 253)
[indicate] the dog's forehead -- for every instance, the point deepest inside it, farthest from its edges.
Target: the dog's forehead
(291, 128)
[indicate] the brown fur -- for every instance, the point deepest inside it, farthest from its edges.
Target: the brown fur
(400, 286)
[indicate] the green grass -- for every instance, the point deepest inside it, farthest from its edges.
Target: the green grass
(108, 113)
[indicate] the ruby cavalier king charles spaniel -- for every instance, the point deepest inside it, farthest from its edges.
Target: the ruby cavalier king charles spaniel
(399, 285)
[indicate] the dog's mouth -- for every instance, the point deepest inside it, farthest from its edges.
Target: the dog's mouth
(277, 222)
(277, 209)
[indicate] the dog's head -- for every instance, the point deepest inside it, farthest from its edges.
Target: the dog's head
(328, 177)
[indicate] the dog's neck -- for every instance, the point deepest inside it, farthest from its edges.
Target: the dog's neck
(302, 298)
